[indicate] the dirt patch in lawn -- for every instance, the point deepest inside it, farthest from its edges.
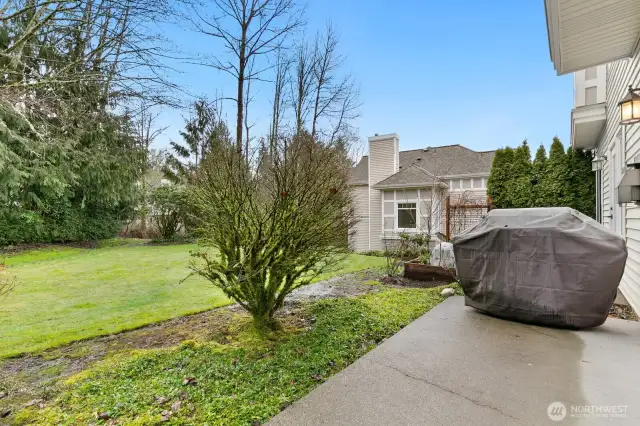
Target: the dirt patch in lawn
(408, 282)
(31, 379)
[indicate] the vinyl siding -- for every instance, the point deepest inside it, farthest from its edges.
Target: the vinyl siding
(360, 238)
(383, 162)
(620, 75)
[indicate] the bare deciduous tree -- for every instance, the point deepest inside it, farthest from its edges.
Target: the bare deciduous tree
(146, 131)
(324, 102)
(99, 54)
(301, 91)
(281, 80)
(335, 98)
(249, 29)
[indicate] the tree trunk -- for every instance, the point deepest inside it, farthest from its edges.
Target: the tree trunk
(265, 322)
(240, 111)
(241, 69)
(143, 211)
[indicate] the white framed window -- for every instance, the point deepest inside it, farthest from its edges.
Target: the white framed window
(591, 73)
(411, 210)
(389, 211)
(407, 216)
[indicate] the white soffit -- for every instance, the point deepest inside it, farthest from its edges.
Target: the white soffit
(586, 125)
(584, 33)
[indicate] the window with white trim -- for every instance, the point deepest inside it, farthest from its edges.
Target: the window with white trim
(407, 214)
(389, 211)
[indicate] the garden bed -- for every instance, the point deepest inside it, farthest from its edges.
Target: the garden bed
(423, 272)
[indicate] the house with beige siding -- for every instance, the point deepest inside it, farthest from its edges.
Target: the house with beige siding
(599, 42)
(406, 191)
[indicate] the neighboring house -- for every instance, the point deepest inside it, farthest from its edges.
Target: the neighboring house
(405, 191)
(598, 41)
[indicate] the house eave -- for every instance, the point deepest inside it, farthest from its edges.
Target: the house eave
(591, 32)
(587, 124)
(466, 175)
(410, 185)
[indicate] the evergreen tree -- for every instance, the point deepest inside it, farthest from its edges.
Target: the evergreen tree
(519, 187)
(499, 178)
(553, 185)
(537, 173)
(203, 132)
(581, 182)
(562, 180)
(69, 163)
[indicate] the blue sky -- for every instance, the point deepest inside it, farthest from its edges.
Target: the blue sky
(437, 73)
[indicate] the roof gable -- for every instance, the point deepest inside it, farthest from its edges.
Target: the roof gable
(440, 161)
(411, 176)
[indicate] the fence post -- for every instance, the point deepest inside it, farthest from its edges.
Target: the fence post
(448, 218)
(489, 206)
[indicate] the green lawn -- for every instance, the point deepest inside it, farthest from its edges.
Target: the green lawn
(245, 382)
(66, 294)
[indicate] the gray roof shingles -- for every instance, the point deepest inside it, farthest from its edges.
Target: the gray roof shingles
(440, 161)
(412, 175)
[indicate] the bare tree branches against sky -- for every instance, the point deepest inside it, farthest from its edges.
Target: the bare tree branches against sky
(414, 63)
(249, 30)
(413, 67)
(112, 43)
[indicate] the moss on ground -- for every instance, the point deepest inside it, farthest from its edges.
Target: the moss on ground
(246, 379)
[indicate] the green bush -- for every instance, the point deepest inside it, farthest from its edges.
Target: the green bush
(168, 204)
(58, 224)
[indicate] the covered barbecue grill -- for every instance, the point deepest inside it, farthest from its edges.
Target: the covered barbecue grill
(549, 266)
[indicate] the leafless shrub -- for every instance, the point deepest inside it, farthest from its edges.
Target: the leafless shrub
(274, 227)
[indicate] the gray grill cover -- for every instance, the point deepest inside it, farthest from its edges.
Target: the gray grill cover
(550, 266)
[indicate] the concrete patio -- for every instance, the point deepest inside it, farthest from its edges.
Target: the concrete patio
(455, 366)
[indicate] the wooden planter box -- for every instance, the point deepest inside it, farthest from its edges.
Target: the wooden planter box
(422, 272)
